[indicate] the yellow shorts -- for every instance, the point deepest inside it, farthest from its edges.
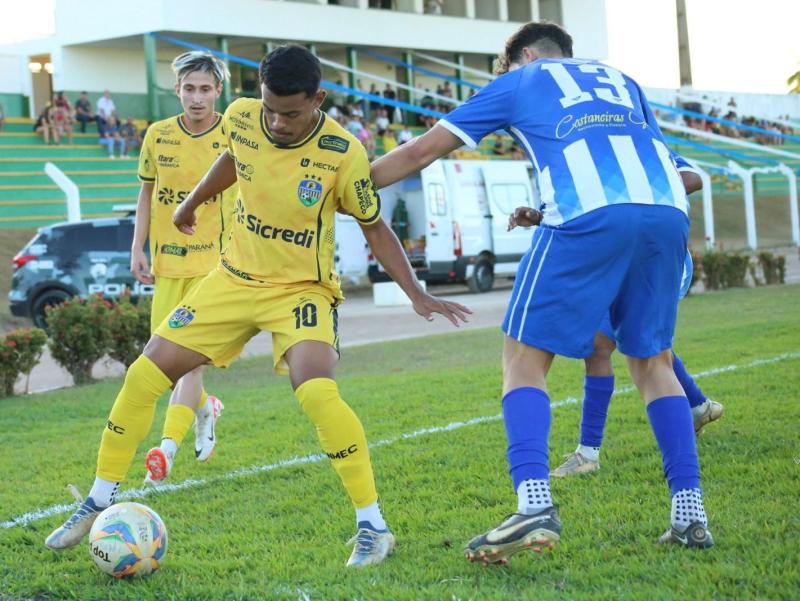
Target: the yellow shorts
(168, 294)
(222, 313)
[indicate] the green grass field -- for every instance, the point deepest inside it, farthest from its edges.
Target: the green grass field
(239, 531)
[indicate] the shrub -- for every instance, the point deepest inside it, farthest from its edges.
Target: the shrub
(734, 270)
(129, 329)
(79, 334)
(773, 267)
(712, 262)
(19, 352)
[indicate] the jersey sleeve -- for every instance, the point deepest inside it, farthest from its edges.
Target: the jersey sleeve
(486, 112)
(356, 192)
(147, 163)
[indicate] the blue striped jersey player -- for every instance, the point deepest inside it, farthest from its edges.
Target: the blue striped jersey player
(612, 242)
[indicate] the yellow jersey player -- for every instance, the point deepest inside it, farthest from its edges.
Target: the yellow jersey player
(295, 169)
(176, 153)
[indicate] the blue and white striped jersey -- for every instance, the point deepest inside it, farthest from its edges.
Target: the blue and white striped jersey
(587, 129)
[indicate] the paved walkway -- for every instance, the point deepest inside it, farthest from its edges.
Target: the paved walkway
(360, 322)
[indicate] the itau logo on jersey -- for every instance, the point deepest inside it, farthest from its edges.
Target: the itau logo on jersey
(309, 191)
(182, 316)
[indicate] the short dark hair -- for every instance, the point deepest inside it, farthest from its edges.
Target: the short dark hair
(290, 69)
(550, 38)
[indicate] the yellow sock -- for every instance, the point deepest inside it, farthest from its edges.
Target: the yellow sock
(131, 418)
(342, 437)
(176, 425)
(203, 397)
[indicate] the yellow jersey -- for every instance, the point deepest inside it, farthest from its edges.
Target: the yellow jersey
(283, 231)
(175, 160)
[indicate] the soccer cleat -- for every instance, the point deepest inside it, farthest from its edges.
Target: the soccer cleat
(694, 536)
(71, 532)
(711, 411)
(158, 464)
(575, 464)
(205, 419)
(517, 533)
(371, 546)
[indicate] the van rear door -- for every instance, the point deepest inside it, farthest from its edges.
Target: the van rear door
(439, 219)
(508, 186)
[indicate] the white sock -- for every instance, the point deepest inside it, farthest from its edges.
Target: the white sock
(592, 453)
(700, 409)
(371, 514)
(169, 447)
(533, 496)
(687, 508)
(103, 492)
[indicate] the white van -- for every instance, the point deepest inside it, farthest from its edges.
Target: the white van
(457, 216)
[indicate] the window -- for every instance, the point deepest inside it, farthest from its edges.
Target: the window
(508, 197)
(437, 199)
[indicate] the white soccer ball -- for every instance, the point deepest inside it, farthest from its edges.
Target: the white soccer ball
(128, 539)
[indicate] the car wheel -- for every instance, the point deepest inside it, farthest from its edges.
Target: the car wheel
(482, 278)
(48, 298)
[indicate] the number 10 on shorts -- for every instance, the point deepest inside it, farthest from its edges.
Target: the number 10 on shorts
(305, 315)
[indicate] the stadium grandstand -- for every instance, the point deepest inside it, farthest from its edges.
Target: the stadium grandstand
(395, 66)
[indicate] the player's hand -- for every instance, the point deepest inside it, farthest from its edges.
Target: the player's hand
(139, 267)
(426, 305)
(184, 218)
(524, 217)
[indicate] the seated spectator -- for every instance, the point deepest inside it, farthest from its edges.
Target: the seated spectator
(364, 136)
(389, 93)
(499, 148)
(61, 122)
(129, 134)
(339, 98)
(111, 136)
(43, 123)
(388, 140)
(382, 121)
(2, 117)
(83, 111)
(433, 7)
(105, 110)
(334, 112)
(404, 135)
(61, 101)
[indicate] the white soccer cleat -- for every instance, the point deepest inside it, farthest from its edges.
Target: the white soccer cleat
(204, 423)
(371, 546)
(708, 412)
(71, 532)
(575, 464)
(158, 464)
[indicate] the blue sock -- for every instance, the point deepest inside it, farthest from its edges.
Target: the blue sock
(597, 391)
(526, 413)
(671, 420)
(692, 390)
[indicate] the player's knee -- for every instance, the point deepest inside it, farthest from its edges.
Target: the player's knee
(643, 368)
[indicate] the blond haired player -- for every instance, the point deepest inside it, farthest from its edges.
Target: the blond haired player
(295, 168)
(176, 153)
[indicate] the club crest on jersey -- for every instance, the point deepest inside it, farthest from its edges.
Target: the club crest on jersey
(309, 191)
(182, 316)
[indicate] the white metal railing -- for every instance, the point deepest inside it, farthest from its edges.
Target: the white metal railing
(69, 188)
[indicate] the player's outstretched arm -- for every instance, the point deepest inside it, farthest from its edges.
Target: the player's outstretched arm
(413, 156)
(221, 176)
(387, 249)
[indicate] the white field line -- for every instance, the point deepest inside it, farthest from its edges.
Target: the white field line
(136, 493)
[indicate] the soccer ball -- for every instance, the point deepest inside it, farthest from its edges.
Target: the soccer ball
(128, 539)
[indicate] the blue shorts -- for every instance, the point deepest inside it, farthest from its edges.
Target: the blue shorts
(686, 282)
(625, 261)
